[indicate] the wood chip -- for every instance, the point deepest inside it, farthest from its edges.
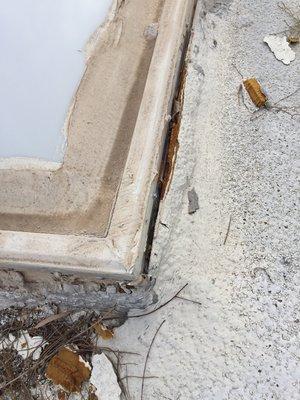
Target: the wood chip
(293, 39)
(255, 92)
(68, 370)
(103, 331)
(61, 395)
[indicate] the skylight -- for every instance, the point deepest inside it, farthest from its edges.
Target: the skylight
(42, 60)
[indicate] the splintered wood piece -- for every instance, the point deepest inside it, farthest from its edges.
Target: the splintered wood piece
(103, 331)
(255, 92)
(293, 39)
(68, 370)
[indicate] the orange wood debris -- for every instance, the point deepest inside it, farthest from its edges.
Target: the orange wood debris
(293, 39)
(255, 92)
(103, 331)
(68, 370)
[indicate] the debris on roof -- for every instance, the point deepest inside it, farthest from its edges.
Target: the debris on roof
(293, 39)
(25, 344)
(255, 92)
(279, 45)
(103, 332)
(68, 369)
(293, 31)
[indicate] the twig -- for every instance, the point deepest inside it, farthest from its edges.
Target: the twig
(147, 357)
(164, 225)
(128, 363)
(189, 300)
(228, 230)
(139, 377)
(96, 349)
(161, 306)
(50, 350)
(288, 11)
(241, 95)
(286, 97)
(51, 318)
(155, 309)
(91, 326)
(116, 366)
(237, 70)
(127, 382)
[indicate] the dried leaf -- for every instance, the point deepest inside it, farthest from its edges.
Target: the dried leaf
(68, 369)
(51, 318)
(103, 331)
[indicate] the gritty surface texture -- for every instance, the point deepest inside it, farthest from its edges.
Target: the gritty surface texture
(242, 342)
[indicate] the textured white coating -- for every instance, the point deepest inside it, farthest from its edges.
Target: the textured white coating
(242, 341)
(281, 48)
(104, 379)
